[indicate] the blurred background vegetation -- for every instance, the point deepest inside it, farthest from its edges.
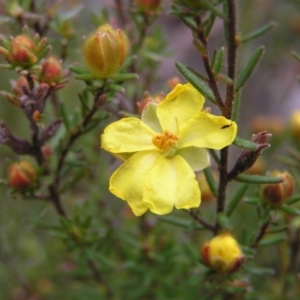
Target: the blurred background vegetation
(150, 257)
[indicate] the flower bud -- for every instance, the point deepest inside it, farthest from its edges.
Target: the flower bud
(22, 51)
(222, 253)
(51, 71)
(21, 175)
(275, 194)
(295, 125)
(148, 5)
(105, 51)
(149, 99)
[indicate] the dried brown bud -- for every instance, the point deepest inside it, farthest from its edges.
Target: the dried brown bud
(247, 158)
(276, 194)
(21, 175)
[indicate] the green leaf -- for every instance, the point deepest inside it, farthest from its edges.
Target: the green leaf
(124, 77)
(290, 210)
(236, 199)
(209, 5)
(242, 143)
(208, 24)
(196, 82)
(65, 116)
(224, 221)
(293, 200)
(211, 180)
(257, 179)
(272, 240)
(296, 55)
(252, 200)
(86, 76)
(257, 33)
(261, 271)
(218, 62)
(115, 88)
(180, 222)
(79, 70)
(277, 229)
(198, 45)
(248, 70)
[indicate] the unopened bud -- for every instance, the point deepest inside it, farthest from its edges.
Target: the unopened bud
(51, 71)
(105, 51)
(21, 175)
(22, 51)
(222, 253)
(276, 194)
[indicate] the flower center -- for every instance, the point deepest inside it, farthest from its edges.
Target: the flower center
(165, 141)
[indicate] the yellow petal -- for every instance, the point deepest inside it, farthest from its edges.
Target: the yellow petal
(127, 135)
(128, 181)
(179, 106)
(171, 183)
(207, 131)
(149, 117)
(197, 158)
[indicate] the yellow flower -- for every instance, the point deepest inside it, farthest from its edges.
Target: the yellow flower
(162, 151)
(222, 253)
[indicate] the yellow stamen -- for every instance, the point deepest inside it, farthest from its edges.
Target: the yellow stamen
(164, 141)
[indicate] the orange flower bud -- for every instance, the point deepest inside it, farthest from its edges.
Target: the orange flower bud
(222, 253)
(148, 5)
(276, 194)
(51, 71)
(22, 51)
(105, 51)
(295, 125)
(21, 175)
(149, 99)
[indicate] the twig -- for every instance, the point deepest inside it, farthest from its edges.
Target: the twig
(261, 233)
(201, 221)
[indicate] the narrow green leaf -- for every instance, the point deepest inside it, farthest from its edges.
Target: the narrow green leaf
(213, 9)
(286, 160)
(257, 179)
(189, 22)
(196, 82)
(257, 33)
(198, 45)
(218, 62)
(224, 221)
(79, 70)
(277, 229)
(252, 200)
(65, 116)
(236, 107)
(209, 24)
(248, 70)
(175, 221)
(128, 62)
(248, 250)
(86, 76)
(201, 76)
(272, 240)
(124, 77)
(211, 180)
(214, 155)
(245, 144)
(293, 200)
(84, 104)
(290, 210)
(296, 55)
(236, 199)
(115, 88)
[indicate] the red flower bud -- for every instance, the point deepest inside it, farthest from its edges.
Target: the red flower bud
(51, 71)
(105, 51)
(22, 51)
(21, 175)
